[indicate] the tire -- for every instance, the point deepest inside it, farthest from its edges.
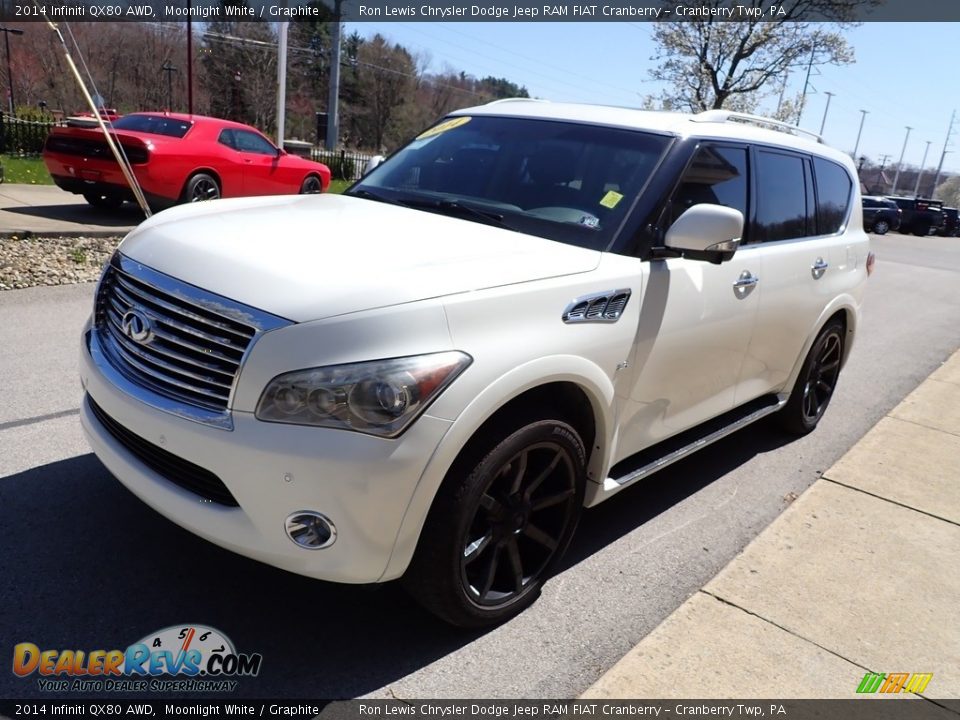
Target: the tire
(881, 227)
(921, 230)
(816, 383)
(200, 188)
(499, 525)
(103, 201)
(311, 185)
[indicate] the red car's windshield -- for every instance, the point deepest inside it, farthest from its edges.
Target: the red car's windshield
(153, 124)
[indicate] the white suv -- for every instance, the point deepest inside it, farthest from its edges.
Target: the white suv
(523, 311)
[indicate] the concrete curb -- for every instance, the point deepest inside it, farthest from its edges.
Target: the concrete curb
(858, 575)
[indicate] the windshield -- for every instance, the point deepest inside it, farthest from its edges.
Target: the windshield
(564, 181)
(153, 124)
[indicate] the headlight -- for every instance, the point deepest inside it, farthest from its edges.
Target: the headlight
(380, 397)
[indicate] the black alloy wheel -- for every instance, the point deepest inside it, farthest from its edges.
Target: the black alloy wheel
(499, 524)
(311, 185)
(817, 381)
(881, 227)
(518, 523)
(200, 188)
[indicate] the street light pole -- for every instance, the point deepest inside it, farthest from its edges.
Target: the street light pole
(823, 123)
(860, 131)
(896, 177)
(6, 36)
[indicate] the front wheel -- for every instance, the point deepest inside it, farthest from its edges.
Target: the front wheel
(817, 380)
(311, 185)
(498, 527)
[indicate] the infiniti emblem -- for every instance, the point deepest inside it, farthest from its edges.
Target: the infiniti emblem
(137, 327)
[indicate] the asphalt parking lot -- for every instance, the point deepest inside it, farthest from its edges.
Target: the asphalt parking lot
(86, 565)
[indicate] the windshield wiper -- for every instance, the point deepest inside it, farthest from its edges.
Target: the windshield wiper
(451, 207)
(374, 196)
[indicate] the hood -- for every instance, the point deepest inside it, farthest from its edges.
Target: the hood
(308, 257)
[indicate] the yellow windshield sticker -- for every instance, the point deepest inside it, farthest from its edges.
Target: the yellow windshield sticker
(611, 199)
(443, 127)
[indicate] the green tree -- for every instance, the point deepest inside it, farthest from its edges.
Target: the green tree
(949, 191)
(708, 63)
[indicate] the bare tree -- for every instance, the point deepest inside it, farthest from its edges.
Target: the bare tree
(710, 62)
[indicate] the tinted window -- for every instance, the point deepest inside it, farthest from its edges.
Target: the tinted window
(833, 195)
(570, 182)
(226, 138)
(781, 197)
(153, 124)
(717, 175)
(245, 141)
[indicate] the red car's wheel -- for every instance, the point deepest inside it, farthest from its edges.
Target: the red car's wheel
(311, 185)
(201, 187)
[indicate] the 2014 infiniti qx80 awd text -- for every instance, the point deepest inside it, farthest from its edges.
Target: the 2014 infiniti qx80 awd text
(523, 311)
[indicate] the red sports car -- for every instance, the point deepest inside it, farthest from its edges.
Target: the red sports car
(177, 158)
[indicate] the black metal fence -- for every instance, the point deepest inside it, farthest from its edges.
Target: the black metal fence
(23, 137)
(343, 164)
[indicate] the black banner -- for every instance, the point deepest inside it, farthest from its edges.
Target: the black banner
(876, 708)
(470, 10)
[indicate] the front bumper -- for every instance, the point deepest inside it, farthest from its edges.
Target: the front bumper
(363, 484)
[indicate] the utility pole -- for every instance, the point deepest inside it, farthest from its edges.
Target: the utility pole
(923, 163)
(169, 70)
(282, 83)
(6, 37)
(189, 62)
(823, 123)
(806, 84)
(333, 99)
(896, 177)
(883, 164)
(946, 142)
(863, 117)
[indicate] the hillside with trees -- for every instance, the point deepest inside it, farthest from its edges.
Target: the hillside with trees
(387, 92)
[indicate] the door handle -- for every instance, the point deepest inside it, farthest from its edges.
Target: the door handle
(745, 283)
(819, 268)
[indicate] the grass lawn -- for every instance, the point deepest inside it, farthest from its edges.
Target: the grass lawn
(338, 186)
(26, 170)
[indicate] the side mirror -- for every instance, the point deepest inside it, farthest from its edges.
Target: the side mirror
(706, 232)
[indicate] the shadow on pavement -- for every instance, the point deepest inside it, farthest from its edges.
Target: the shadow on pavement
(86, 565)
(128, 215)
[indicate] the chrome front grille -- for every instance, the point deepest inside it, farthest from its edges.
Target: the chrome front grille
(173, 339)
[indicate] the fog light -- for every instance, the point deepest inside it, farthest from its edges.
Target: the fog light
(310, 530)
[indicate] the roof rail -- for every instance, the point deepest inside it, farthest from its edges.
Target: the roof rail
(516, 99)
(720, 116)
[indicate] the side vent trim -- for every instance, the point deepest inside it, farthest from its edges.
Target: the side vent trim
(604, 307)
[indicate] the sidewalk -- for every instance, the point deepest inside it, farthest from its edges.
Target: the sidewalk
(861, 574)
(46, 210)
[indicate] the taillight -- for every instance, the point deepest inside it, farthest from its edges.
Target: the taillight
(871, 261)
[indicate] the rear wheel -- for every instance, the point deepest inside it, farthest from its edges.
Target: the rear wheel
(817, 380)
(881, 226)
(499, 526)
(104, 201)
(201, 187)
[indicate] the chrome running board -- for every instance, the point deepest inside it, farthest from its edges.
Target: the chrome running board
(698, 444)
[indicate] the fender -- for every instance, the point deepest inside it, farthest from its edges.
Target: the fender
(851, 306)
(558, 368)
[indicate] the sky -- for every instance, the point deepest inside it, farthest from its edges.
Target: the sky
(901, 75)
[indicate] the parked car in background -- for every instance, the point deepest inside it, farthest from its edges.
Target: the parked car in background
(880, 214)
(951, 223)
(921, 216)
(177, 158)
